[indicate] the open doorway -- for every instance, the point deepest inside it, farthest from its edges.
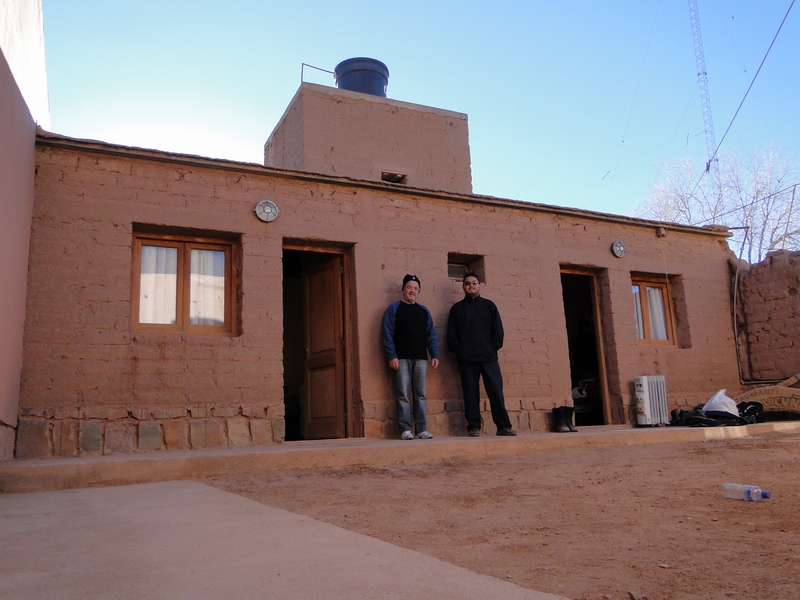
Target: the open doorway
(314, 344)
(581, 313)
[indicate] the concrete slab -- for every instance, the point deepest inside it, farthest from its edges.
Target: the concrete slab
(38, 475)
(188, 540)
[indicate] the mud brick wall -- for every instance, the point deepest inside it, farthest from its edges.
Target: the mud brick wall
(91, 384)
(339, 132)
(769, 317)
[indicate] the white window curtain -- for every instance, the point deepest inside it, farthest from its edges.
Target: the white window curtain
(638, 315)
(158, 285)
(207, 288)
(658, 316)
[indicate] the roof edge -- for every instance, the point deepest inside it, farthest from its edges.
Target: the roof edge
(54, 140)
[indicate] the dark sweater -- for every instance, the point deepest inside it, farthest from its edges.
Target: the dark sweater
(474, 330)
(411, 332)
(390, 326)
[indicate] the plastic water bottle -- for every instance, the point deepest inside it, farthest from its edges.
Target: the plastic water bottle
(737, 491)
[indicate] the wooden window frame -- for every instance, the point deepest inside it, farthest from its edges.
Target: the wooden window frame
(185, 245)
(669, 312)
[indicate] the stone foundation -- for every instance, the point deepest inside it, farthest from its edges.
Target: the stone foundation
(60, 432)
(446, 418)
(7, 435)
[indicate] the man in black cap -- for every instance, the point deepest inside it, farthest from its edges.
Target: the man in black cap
(475, 334)
(408, 335)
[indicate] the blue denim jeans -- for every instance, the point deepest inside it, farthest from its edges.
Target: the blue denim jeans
(411, 374)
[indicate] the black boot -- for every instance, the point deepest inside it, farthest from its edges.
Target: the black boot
(559, 421)
(567, 412)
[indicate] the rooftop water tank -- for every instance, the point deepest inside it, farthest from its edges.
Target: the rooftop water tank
(365, 75)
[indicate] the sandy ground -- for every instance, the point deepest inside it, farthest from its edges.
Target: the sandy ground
(606, 523)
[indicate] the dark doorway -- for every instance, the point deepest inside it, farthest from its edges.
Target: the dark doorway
(313, 345)
(583, 333)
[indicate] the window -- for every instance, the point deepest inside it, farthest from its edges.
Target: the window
(653, 312)
(459, 265)
(183, 284)
(457, 270)
(393, 177)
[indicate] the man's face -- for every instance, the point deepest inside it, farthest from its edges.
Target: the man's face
(472, 287)
(410, 292)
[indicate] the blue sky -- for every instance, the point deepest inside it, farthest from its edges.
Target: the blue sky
(572, 103)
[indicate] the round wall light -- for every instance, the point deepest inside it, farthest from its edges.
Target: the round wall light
(267, 211)
(618, 249)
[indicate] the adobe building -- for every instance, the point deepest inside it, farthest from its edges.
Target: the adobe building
(163, 312)
(23, 103)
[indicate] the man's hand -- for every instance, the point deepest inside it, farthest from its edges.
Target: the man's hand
(434, 363)
(394, 364)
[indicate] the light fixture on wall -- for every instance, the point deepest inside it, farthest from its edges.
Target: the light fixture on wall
(618, 249)
(267, 211)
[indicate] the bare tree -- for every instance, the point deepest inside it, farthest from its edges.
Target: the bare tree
(755, 195)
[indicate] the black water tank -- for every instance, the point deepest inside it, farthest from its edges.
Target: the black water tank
(365, 75)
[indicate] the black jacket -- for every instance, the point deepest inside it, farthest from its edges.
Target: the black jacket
(474, 330)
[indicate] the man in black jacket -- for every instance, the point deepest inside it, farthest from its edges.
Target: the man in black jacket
(475, 334)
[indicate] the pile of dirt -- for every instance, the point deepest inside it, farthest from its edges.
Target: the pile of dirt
(600, 523)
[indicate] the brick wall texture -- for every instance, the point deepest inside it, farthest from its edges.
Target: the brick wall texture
(349, 134)
(92, 385)
(769, 317)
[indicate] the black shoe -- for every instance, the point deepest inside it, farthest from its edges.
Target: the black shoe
(559, 425)
(474, 432)
(567, 412)
(562, 419)
(506, 431)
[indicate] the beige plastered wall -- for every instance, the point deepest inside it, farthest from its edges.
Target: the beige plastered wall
(91, 385)
(17, 137)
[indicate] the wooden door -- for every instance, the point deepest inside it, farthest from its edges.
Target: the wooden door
(324, 401)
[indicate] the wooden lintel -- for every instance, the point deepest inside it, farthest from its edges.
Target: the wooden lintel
(790, 382)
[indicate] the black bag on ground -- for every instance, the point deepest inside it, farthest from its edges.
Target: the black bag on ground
(749, 413)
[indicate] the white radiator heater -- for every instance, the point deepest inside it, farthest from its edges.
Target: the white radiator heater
(651, 400)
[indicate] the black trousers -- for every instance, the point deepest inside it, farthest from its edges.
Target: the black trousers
(493, 384)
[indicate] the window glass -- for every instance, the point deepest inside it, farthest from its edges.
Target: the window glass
(637, 308)
(183, 284)
(456, 270)
(658, 316)
(207, 288)
(158, 285)
(652, 312)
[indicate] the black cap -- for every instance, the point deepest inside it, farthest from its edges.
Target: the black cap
(408, 278)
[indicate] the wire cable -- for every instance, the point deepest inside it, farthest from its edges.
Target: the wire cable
(633, 103)
(713, 156)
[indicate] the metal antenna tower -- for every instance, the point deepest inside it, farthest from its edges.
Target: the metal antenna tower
(712, 167)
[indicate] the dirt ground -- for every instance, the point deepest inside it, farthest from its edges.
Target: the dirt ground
(600, 523)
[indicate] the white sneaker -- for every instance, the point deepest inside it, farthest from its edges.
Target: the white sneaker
(407, 435)
(424, 435)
